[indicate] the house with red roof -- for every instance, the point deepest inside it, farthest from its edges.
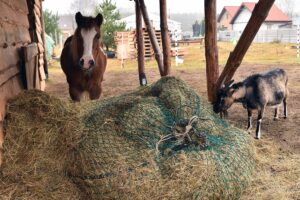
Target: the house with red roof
(275, 19)
(225, 17)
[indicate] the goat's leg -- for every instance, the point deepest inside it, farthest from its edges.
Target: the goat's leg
(285, 108)
(276, 113)
(259, 120)
(249, 120)
(224, 114)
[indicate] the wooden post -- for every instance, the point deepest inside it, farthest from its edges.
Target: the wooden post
(140, 44)
(165, 37)
(153, 40)
(211, 49)
(258, 16)
(44, 40)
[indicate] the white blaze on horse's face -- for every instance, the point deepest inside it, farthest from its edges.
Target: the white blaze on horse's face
(87, 59)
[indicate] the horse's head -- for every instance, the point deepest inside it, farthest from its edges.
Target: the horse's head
(87, 37)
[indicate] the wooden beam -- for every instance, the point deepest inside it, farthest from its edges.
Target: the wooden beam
(258, 16)
(30, 55)
(140, 44)
(45, 67)
(166, 44)
(1, 142)
(211, 49)
(153, 39)
(8, 74)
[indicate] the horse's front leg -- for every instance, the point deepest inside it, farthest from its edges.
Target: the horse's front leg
(75, 93)
(95, 91)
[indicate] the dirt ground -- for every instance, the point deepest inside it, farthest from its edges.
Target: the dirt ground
(278, 151)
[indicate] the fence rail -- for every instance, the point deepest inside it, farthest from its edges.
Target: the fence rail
(280, 35)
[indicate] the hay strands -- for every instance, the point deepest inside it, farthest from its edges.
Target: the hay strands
(183, 133)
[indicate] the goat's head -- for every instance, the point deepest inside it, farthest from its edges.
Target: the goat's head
(224, 98)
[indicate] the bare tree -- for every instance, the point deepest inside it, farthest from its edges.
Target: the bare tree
(287, 6)
(86, 7)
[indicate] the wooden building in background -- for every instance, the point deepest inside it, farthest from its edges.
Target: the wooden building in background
(127, 47)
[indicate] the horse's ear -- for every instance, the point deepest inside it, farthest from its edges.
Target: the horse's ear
(78, 18)
(99, 19)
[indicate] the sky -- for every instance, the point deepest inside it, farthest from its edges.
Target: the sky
(174, 6)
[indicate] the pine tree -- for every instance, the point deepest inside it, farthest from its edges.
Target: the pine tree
(51, 22)
(111, 24)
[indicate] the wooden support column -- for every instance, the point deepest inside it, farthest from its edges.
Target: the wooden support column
(140, 44)
(45, 52)
(258, 16)
(211, 49)
(153, 40)
(166, 44)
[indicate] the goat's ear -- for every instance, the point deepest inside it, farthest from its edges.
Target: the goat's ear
(99, 19)
(78, 18)
(231, 91)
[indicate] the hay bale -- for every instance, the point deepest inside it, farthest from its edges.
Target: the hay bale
(41, 131)
(118, 159)
(109, 149)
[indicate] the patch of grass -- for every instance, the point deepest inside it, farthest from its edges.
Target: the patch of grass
(258, 53)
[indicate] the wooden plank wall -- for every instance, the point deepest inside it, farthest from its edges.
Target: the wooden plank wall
(37, 35)
(14, 33)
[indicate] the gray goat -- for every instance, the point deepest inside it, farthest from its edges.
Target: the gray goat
(255, 93)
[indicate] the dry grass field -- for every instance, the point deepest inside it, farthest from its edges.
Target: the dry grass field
(278, 152)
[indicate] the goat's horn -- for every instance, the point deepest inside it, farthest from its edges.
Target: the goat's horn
(223, 81)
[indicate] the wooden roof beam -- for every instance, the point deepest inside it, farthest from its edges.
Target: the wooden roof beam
(211, 49)
(166, 44)
(153, 39)
(140, 44)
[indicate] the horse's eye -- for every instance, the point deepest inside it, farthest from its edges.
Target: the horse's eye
(97, 36)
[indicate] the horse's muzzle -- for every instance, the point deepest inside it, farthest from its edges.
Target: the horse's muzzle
(86, 66)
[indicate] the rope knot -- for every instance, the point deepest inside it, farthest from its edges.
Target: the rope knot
(184, 135)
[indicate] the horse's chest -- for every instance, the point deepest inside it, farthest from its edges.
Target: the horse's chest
(83, 80)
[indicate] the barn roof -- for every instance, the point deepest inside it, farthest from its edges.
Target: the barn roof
(231, 11)
(275, 14)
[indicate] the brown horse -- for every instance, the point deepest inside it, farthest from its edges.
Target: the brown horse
(83, 59)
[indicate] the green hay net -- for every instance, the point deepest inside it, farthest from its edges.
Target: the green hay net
(131, 151)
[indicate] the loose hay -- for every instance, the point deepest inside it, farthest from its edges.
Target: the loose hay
(118, 159)
(40, 133)
(110, 150)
